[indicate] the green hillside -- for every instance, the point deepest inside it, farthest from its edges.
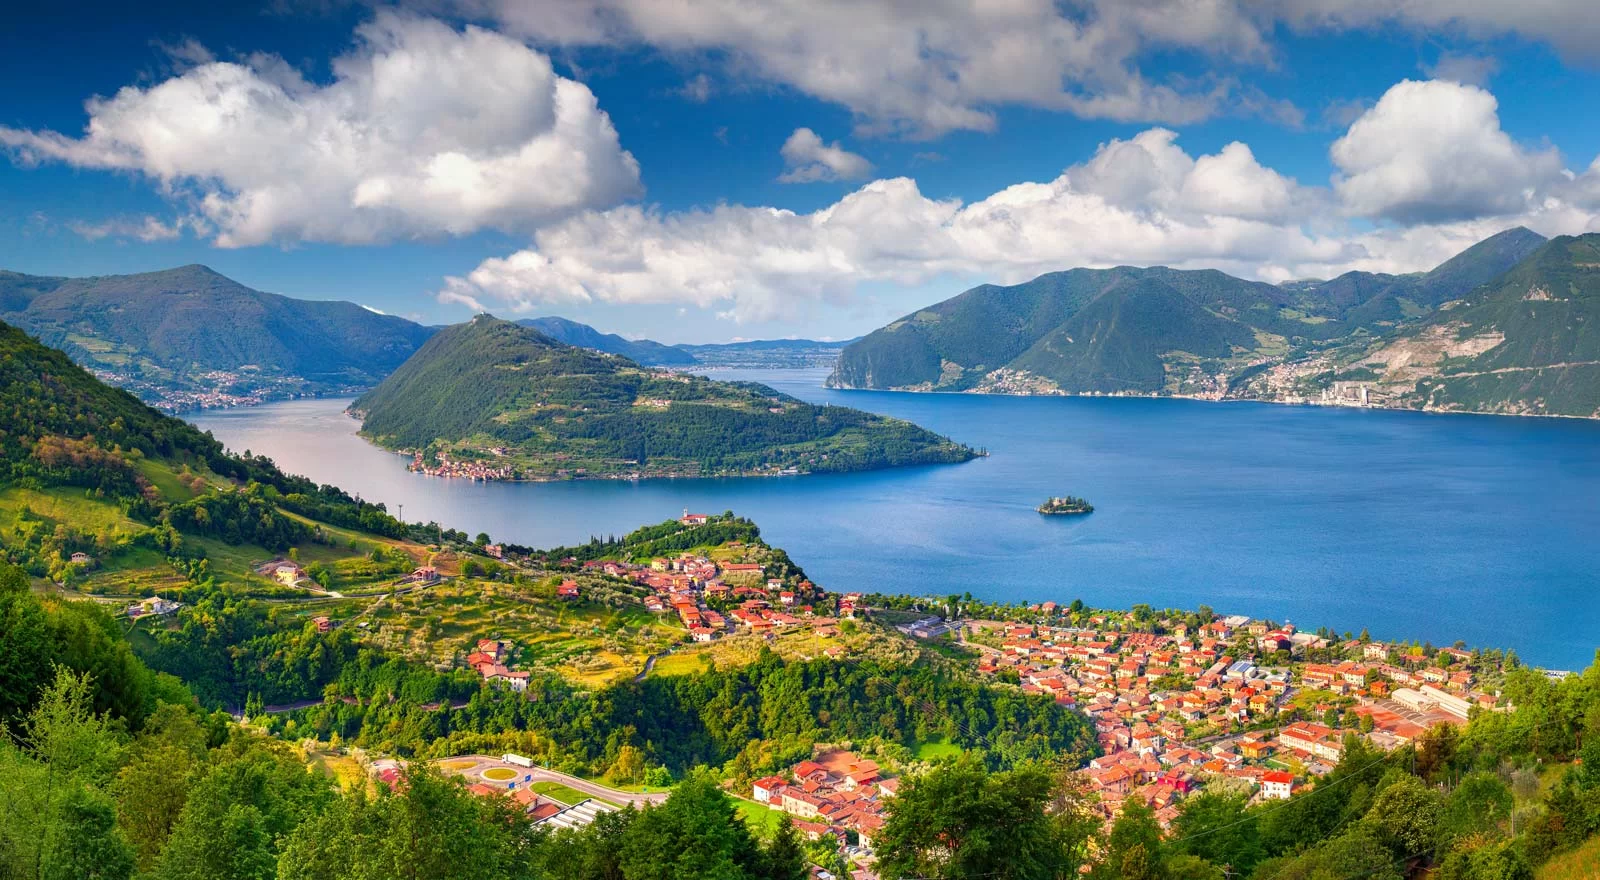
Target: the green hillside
(1149, 331)
(152, 501)
(1117, 343)
(1478, 265)
(511, 397)
(190, 331)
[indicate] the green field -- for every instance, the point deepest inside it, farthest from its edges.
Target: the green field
(933, 751)
(762, 819)
(66, 506)
(680, 663)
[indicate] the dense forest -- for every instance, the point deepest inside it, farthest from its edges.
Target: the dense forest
(491, 384)
(183, 798)
(746, 721)
(62, 426)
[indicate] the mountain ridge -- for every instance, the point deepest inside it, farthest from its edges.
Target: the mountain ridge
(646, 352)
(167, 334)
(1522, 344)
(1156, 330)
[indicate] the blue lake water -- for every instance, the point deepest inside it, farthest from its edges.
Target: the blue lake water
(1437, 527)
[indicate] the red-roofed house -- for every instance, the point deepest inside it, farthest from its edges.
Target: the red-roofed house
(1277, 785)
(767, 789)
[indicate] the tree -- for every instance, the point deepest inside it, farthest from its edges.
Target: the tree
(1478, 805)
(153, 785)
(1354, 854)
(249, 799)
(84, 843)
(1186, 867)
(1133, 848)
(959, 821)
(24, 645)
(1404, 816)
(1435, 749)
(1501, 861)
(1220, 829)
(629, 766)
(695, 833)
(152, 788)
(64, 732)
(785, 857)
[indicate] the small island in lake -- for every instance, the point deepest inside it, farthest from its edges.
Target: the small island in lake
(1067, 506)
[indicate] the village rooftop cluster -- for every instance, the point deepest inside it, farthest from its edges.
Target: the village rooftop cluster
(1232, 702)
(835, 794)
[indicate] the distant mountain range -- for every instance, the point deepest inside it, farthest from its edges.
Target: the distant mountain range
(768, 353)
(642, 351)
(1501, 327)
(500, 400)
(191, 336)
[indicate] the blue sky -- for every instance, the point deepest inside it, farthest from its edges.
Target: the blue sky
(628, 167)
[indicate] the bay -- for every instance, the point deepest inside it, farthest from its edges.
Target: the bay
(1413, 525)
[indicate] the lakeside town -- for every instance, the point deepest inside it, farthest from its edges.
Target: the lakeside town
(1179, 702)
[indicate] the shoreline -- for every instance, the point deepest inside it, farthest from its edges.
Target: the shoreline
(1209, 399)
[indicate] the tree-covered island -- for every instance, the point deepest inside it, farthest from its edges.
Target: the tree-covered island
(490, 399)
(1066, 505)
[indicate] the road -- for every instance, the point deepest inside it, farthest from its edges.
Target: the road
(540, 774)
(638, 799)
(649, 664)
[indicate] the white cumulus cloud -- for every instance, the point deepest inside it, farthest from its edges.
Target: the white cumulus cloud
(926, 67)
(1140, 201)
(146, 229)
(424, 130)
(810, 159)
(1434, 150)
